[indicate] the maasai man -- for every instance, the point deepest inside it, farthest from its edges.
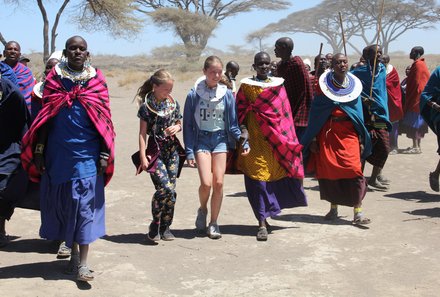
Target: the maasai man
(232, 69)
(14, 120)
(273, 170)
(8, 73)
(338, 140)
(413, 124)
(376, 114)
(70, 146)
(394, 93)
(430, 111)
(296, 82)
(320, 65)
(25, 79)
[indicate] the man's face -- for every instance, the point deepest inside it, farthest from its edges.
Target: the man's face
(413, 54)
(12, 52)
(280, 50)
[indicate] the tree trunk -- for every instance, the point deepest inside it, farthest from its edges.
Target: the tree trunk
(2, 39)
(55, 26)
(45, 30)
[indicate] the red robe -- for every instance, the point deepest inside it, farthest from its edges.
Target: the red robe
(417, 78)
(394, 95)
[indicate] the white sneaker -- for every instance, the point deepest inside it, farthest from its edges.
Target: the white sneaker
(214, 231)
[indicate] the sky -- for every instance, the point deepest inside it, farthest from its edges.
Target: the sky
(24, 24)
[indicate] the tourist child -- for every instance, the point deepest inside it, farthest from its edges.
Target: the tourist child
(160, 119)
(210, 128)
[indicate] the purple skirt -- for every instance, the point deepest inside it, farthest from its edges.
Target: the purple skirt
(268, 198)
(73, 211)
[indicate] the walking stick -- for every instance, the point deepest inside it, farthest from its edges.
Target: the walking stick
(379, 29)
(343, 35)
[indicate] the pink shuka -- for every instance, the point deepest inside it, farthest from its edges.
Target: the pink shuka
(93, 97)
(274, 116)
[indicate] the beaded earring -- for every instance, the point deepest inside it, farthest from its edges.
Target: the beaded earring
(88, 62)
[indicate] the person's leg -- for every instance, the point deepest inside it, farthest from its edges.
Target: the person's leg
(84, 273)
(333, 213)
(203, 160)
(358, 217)
(434, 178)
(218, 168)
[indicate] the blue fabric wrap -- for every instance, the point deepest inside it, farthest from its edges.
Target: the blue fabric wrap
(321, 110)
(73, 145)
(7, 72)
(431, 93)
(379, 107)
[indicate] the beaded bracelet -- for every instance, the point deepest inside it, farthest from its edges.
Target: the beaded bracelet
(104, 155)
(39, 148)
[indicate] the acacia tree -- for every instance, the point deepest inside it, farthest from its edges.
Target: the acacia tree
(194, 21)
(114, 16)
(360, 20)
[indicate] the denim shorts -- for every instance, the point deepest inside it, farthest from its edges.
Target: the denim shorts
(212, 142)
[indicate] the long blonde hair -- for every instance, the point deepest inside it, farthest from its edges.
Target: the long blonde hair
(159, 77)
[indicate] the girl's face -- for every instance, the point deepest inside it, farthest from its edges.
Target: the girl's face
(262, 66)
(163, 90)
(213, 74)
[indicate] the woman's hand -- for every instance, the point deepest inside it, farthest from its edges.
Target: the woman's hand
(191, 162)
(245, 151)
(39, 163)
(172, 130)
(102, 165)
(144, 164)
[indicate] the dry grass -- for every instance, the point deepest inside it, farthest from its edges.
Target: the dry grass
(134, 70)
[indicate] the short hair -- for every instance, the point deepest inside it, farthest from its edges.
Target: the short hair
(232, 64)
(419, 50)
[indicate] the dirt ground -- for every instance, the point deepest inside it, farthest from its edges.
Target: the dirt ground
(396, 255)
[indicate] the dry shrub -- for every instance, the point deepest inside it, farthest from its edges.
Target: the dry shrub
(130, 77)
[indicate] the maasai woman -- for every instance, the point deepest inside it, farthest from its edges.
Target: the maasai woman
(160, 119)
(210, 128)
(338, 139)
(273, 169)
(71, 145)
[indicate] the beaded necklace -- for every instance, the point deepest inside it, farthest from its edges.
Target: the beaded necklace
(161, 108)
(76, 76)
(344, 84)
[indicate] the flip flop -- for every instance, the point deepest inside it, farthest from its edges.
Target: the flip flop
(84, 274)
(361, 221)
(262, 234)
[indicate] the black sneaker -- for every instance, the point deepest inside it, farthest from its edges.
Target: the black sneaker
(165, 233)
(153, 232)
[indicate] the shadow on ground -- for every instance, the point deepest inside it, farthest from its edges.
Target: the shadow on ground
(40, 246)
(417, 196)
(47, 270)
(317, 219)
(427, 212)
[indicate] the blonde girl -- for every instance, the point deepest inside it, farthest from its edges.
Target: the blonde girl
(160, 120)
